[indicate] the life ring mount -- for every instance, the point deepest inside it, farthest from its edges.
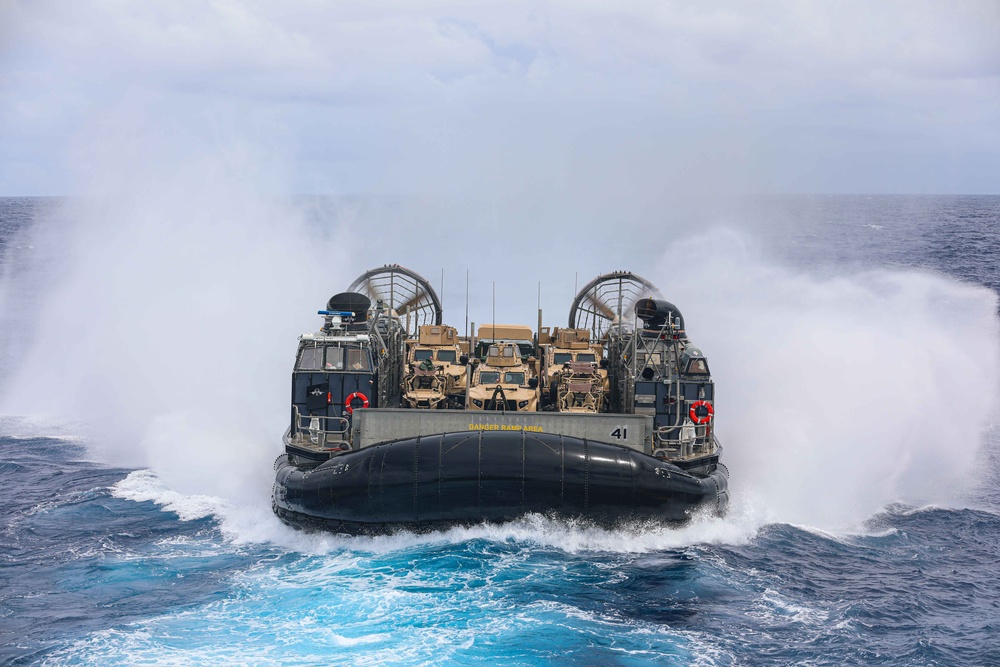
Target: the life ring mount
(348, 404)
(701, 412)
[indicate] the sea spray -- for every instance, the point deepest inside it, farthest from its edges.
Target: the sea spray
(168, 306)
(838, 394)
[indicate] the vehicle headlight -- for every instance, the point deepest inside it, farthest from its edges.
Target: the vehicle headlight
(476, 402)
(522, 405)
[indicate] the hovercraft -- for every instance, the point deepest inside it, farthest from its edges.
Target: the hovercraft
(398, 422)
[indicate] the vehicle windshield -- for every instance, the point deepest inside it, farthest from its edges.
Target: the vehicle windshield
(513, 378)
(422, 355)
(562, 358)
(489, 377)
(447, 356)
(586, 357)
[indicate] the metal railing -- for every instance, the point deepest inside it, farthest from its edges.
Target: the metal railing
(683, 442)
(316, 429)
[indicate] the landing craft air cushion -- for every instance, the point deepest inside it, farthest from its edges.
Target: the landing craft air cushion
(626, 435)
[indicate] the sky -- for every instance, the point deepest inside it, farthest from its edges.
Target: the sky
(595, 100)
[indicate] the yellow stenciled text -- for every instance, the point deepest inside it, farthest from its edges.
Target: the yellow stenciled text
(504, 427)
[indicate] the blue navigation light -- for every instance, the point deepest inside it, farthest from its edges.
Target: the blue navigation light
(342, 313)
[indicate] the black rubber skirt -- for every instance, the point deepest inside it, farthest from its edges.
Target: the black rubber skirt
(430, 482)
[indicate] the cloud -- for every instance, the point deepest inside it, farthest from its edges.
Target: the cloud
(397, 96)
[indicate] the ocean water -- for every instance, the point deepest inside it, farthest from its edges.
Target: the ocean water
(855, 343)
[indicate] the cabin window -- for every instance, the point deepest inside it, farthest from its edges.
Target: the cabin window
(447, 355)
(493, 352)
(489, 377)
(513, 378)
(697, 367)
(311, 359)
(562, 358)
(586, 357)
(508, 352)
(357, 360)
(334, 359)
(422, 355)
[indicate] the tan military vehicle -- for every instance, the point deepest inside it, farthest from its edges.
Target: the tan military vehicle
(424, 387)
(572, 379)
(435, 375)
(519, 334)
(578, 387)
(503, 381)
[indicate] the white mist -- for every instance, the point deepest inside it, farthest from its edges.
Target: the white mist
(174, 294)
(838, 394)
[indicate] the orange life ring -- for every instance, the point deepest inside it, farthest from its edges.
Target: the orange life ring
(693, 412)
(350, 399)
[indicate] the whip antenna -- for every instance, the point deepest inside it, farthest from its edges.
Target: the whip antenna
(538, 331)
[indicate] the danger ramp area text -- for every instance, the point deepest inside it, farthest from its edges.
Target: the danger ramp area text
(504, 427)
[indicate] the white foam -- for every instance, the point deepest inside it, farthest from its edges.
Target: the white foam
(737, 527)
(773, 604)
(145, 486)
(255, 523)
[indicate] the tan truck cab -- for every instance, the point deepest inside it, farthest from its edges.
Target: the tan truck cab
(435, 375)
(503, 381)
(572, 377)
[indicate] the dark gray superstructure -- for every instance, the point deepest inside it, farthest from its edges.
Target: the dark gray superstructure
(356, 461)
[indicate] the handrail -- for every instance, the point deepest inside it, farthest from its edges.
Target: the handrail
(683, 446)
(319, 436)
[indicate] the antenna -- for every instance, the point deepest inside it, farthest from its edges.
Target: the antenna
(466, 303)
(442, 285)
(538, 332)
(494, 334)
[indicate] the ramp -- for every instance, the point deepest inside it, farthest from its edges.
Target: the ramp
(373, 426)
